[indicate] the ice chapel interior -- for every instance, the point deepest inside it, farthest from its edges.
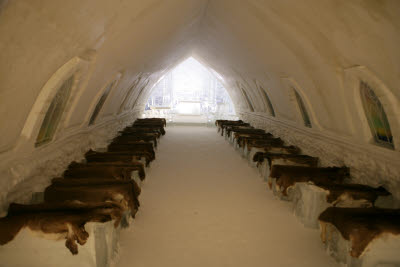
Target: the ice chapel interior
(287, 153)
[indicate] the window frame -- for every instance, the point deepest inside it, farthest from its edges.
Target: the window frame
(101, 101)
(389, 100)
(246, 97)
(55, 111)
(268, 102)
(365, 89)
(302, 109)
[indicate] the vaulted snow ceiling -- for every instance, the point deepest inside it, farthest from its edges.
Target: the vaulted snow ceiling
(318, 50)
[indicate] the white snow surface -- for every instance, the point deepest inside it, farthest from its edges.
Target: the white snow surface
(203, 205)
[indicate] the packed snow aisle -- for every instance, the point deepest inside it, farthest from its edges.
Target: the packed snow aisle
(203, 205)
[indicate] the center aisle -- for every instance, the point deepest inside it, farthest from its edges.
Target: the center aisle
(203, 205)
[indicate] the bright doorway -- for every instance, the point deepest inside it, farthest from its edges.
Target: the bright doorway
(190, 93)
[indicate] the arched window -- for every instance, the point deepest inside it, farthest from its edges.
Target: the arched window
(129, 94)
(302, 108)
(268, 101)
(54, 113)
(376, 116)
(100, 104)
(141, 90)
(248, 100)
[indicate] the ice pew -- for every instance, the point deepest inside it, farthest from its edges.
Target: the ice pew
(230, 130)
(58, 220)
(221, 124)
(283, 178)
(129, 138)
(162, 120)
(237, 134)
(140, 129)
(263, 167)
(253, 145)
(81, 185)
(240, 139)
(151, 124)
(310, 200)
(361, 237)
(133, 147)
(267, 160)
(126, 156)
(123, 192)
(117, 170)
(257, 150)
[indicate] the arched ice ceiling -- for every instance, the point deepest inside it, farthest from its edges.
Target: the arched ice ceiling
(309, 45)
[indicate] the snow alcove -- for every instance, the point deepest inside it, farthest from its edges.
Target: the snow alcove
(190, 93)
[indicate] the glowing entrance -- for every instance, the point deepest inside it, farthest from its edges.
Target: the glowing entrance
(190, 93)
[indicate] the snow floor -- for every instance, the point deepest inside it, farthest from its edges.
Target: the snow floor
(203, 205)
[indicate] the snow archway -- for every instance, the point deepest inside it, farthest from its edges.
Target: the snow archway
(190, 93)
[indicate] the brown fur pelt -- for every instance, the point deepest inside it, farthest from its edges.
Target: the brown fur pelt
(288, 175)
(117, 170)
(123, 192)
(361, 225)
(125, 156)
(67, 220)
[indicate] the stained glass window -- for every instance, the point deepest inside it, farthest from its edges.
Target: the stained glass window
(303, 111)
(54, 113)
(268, 101)
(248, 100)
(376, 116)
(100, 103)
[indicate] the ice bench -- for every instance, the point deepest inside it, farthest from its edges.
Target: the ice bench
(362, 237)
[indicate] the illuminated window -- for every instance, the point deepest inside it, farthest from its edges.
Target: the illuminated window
(268, 101)
(100, 103)
(248, 100)
(302, 108)
(376, 116)
(54, 113)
